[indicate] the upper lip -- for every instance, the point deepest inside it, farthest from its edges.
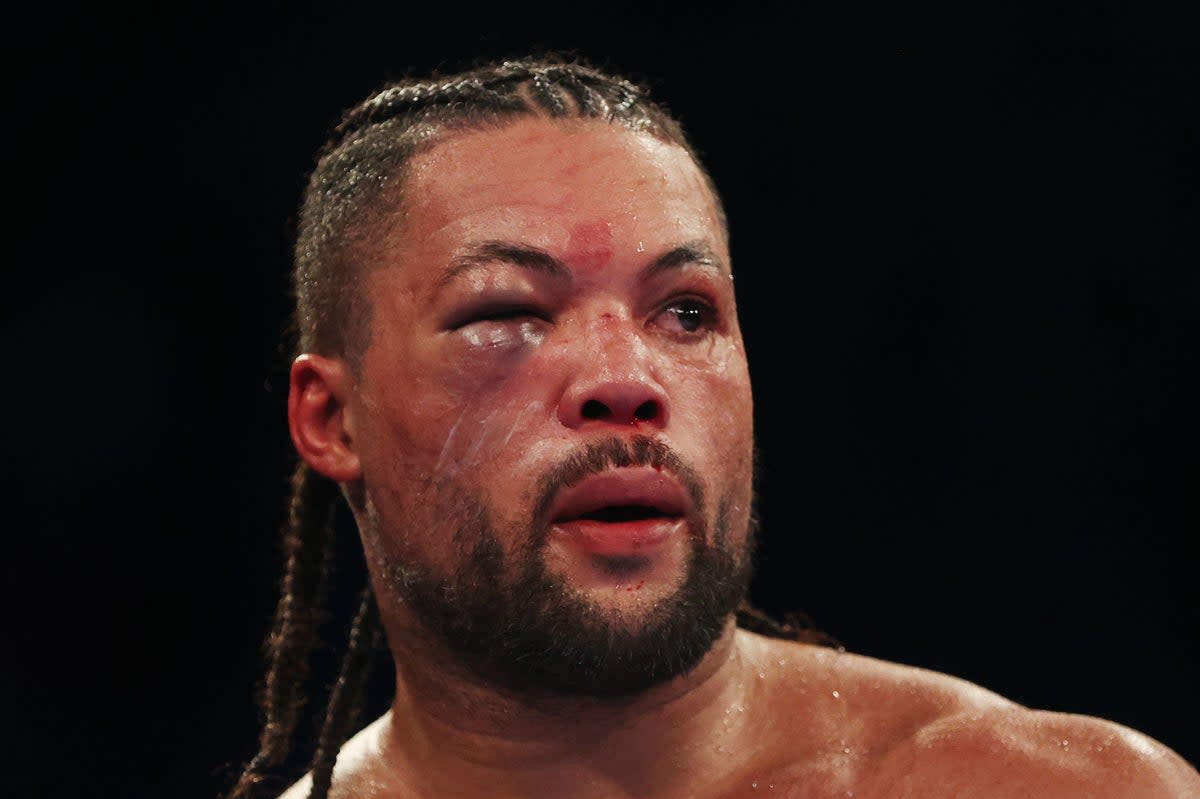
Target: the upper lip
(631, 486)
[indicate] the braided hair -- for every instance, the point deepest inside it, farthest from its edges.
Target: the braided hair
(352, 193)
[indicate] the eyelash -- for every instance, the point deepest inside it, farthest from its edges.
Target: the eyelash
(498, 313)
(708, 320)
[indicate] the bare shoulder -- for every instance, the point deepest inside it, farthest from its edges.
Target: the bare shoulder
(299, 790)
(908, 732)
(874, 702)
(357, 772)
(1017, 751)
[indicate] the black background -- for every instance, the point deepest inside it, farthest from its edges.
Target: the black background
(966, 251)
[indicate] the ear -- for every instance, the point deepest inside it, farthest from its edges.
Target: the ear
(319, 418)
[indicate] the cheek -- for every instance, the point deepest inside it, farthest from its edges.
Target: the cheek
(476, 404)
(712, 386)
(450, 458)
(479, 439)
(720, 359)
(712, 416)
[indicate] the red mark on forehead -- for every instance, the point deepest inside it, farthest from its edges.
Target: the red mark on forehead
(590, 246)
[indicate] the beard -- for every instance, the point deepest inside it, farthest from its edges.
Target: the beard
(521, 628)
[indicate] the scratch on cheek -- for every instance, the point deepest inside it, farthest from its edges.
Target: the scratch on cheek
(448, 445)
(530, 407)
(487, 435)
(472, 454)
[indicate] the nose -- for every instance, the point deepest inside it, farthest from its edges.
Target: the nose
(611, 382)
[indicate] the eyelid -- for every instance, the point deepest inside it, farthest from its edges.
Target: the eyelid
(692, 294)
(702, 284)
(498, 310)
(713, 318)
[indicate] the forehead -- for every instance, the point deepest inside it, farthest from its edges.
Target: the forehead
(556, 185)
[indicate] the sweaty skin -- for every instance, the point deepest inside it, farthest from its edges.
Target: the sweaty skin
(799, 722)
(518, 312)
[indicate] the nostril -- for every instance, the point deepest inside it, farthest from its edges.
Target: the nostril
(595, 409)
(614, 405)
(646, 411)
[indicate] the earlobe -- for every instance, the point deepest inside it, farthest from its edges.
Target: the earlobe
(318, 417)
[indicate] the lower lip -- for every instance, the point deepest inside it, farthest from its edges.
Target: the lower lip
(619, 538)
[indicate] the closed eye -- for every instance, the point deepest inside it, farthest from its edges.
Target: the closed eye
(498, 313)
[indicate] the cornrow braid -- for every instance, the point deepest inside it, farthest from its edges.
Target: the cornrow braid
(345, 702)
(412, 99)
(794, 627)
(584, 95)
(307, 545)
(548, 96)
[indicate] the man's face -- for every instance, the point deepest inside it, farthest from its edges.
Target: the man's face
(553, 414)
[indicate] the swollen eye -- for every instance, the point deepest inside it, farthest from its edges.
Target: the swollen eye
(506, 314)
(497, 314)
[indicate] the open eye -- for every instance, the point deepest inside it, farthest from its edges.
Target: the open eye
(688, 316)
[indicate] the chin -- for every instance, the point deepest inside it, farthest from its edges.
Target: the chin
(539, 634)
(626, 579)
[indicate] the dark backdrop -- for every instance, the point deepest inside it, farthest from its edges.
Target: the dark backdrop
(967, 260)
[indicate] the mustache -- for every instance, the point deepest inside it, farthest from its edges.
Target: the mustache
(616, 453)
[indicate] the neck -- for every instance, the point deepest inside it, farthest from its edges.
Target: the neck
(450, 735)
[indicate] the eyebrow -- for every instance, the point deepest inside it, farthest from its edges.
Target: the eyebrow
(524, 256)
(692, 253)
(535, 260)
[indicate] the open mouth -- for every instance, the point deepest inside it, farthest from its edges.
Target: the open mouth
(620, 513)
